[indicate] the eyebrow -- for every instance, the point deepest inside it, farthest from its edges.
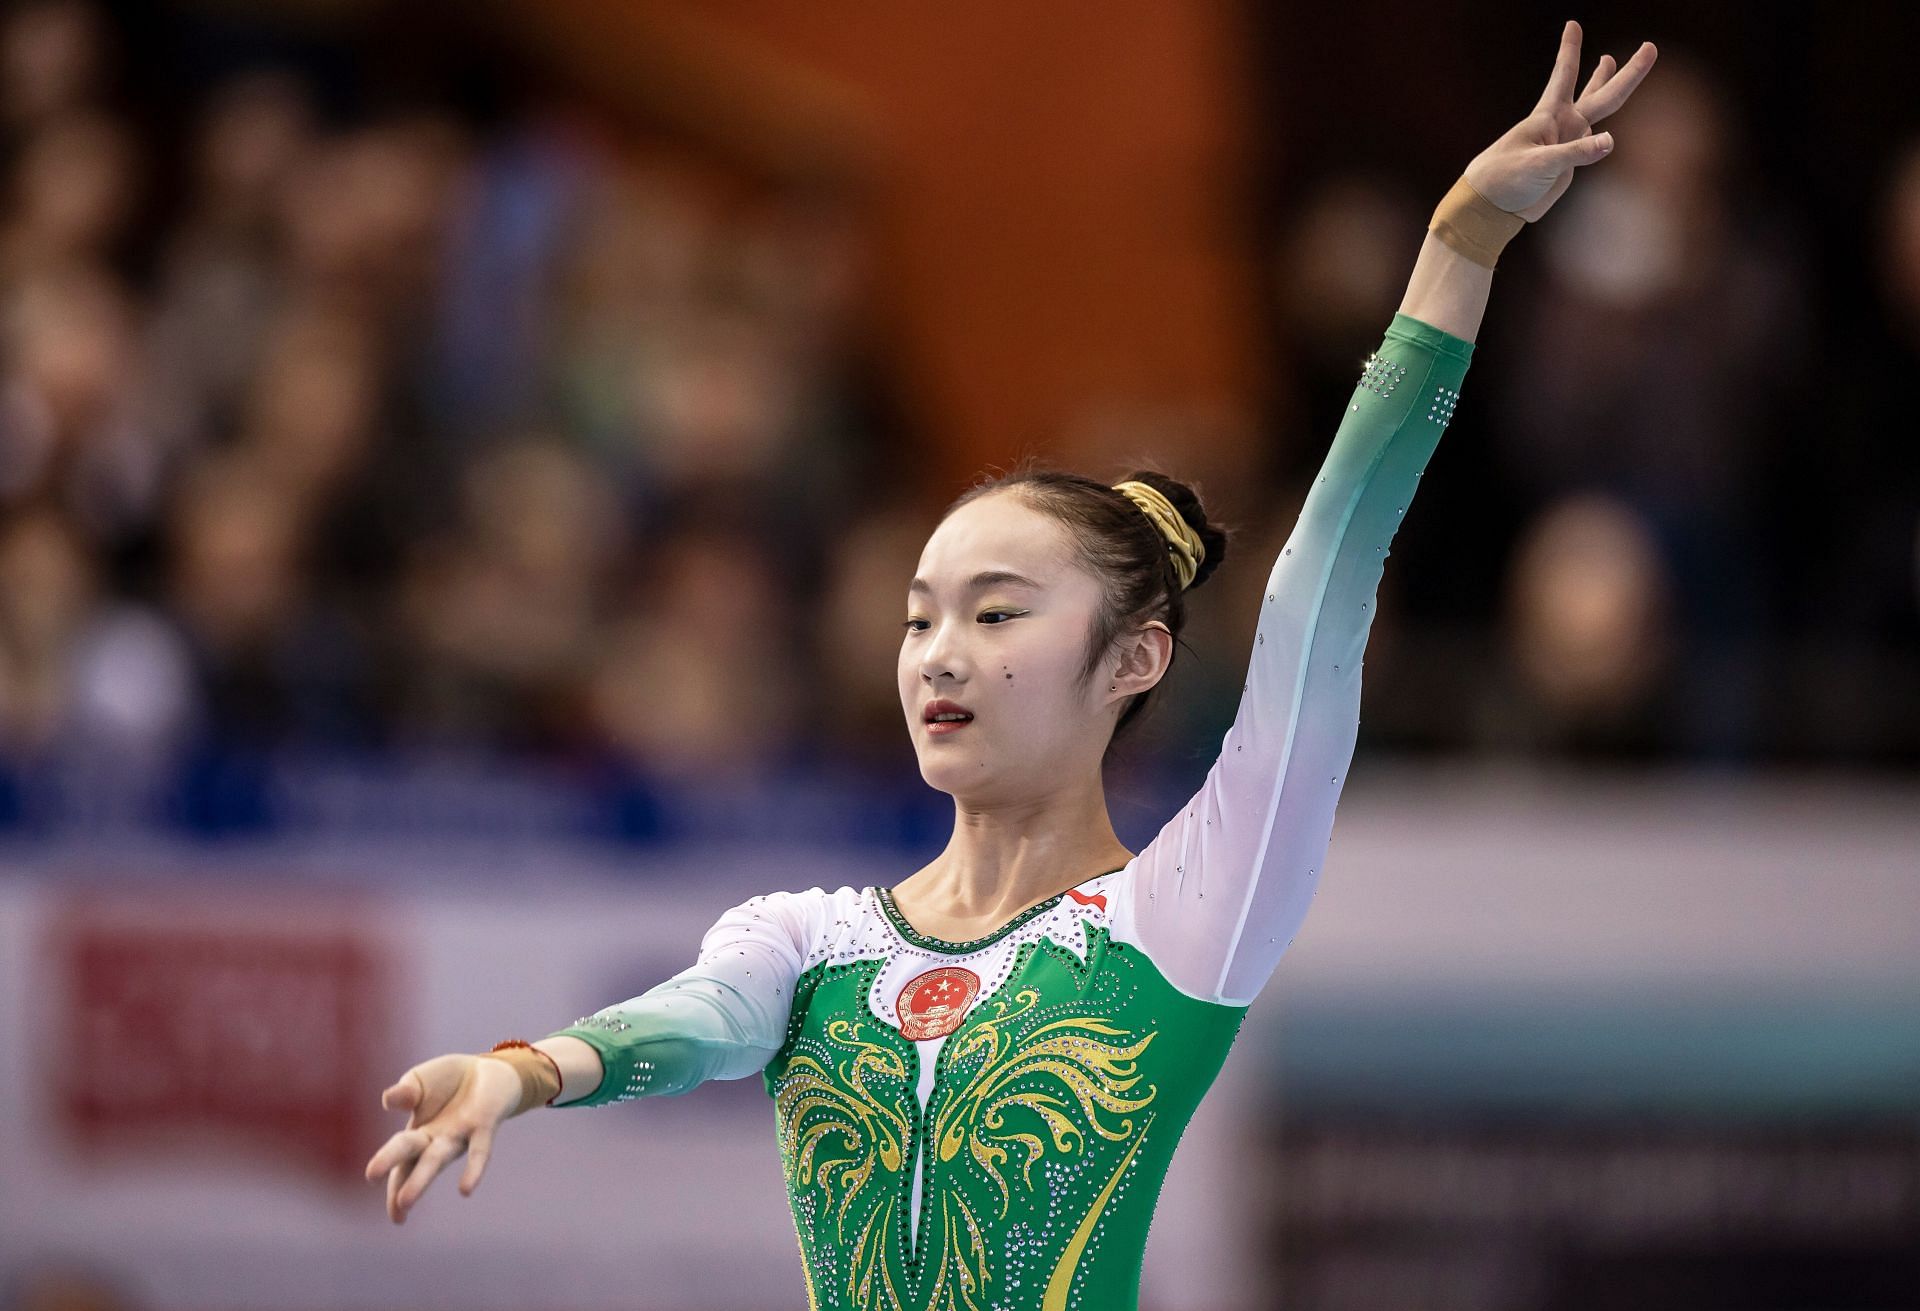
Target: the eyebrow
(985, 578)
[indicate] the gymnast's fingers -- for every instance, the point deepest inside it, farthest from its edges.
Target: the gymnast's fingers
(395, 1178)
(1601, 72)
(406, 1094)
(477, 1153)
(397, 1151)
(441, 1150)
(1598, 102)
(1566, 67)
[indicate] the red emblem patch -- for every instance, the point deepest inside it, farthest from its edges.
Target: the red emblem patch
(1097, 899)
(933, 1004)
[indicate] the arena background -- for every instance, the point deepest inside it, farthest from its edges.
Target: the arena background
(459, 468)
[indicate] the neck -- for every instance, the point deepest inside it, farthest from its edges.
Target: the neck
(1004, 858)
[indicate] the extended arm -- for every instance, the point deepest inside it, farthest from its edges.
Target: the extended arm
(1220, 892)
(724, 1017)
(1447, 291)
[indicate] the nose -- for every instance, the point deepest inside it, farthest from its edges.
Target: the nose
(940, 655)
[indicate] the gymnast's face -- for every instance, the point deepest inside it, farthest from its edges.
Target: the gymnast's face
(1007, 650)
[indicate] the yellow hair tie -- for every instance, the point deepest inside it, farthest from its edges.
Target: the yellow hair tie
(1183, 543)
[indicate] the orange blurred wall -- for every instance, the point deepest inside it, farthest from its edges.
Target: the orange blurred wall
(1062, 214)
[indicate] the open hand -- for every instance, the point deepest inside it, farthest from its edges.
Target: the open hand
(1529, 167)
(457, 1101)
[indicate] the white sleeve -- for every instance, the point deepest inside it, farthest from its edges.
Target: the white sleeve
(1222, 889)
(724, 1017)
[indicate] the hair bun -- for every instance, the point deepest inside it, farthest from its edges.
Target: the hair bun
(1187, 502)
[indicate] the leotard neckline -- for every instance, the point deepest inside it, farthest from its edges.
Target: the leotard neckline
(931, 943)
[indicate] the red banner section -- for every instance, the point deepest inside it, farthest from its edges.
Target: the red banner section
(198, 1023)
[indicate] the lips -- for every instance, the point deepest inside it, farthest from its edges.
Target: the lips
(945, 707)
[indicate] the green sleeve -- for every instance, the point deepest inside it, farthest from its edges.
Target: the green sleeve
(724, 1017)
(1220, 892)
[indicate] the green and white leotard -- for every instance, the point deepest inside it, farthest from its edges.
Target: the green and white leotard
(971, 1126)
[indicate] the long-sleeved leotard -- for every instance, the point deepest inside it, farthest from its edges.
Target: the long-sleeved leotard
(986, 1124)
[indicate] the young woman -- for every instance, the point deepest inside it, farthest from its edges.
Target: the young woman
(979, 1075)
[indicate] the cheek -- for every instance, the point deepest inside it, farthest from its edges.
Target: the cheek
(1039, 683)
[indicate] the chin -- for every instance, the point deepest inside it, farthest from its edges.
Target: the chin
(952, 772)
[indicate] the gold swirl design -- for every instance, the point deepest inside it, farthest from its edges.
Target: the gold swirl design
(1062, 1281)
(846, 1126)
(1075, 1050)
(869, 1272)
(970, 1259)
(815, 1104)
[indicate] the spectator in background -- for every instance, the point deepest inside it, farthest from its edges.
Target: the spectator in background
(1589, 625)
(317, 415)
(220, 282)
(82, 674)
(72, 432)
(1653, 363)
(499, 615)
(702, 676)
(74, 193)
(274, 661)
(52, 60)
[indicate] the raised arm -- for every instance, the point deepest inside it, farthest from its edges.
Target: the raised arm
(1222, 889)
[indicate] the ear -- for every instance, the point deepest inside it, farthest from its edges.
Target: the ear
(1146, 657)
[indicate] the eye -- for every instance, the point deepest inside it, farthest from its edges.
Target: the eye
(1010, 614)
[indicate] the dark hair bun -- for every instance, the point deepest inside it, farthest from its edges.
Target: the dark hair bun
(1187, 502)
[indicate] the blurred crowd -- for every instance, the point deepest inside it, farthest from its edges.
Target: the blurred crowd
(1686, 521)
(403, 431)
(394, 431)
